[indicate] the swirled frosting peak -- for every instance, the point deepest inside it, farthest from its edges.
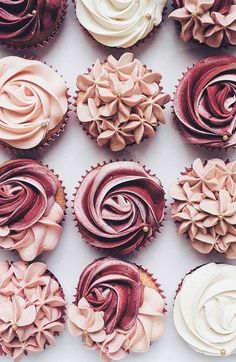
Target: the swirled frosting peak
(30, 217)
(205, 102)
(205, 307)
(119, 206)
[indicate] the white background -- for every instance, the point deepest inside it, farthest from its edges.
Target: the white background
(169, 257)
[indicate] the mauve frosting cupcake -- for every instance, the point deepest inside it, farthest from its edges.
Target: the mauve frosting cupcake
(211, 22)
(118, 309)
(119, 206)
(205, 206)
(32, 308)
(32, 205)
(205, 102)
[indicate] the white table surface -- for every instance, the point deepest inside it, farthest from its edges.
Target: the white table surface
(169, 257)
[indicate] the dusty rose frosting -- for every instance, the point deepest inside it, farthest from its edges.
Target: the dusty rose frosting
(119, 206)
(23, 21)
(205, 102)
(33, 101)
(29, 215)
(32, 306)
(205, 206)
(114, 287)
(120, 102)
(212, 22)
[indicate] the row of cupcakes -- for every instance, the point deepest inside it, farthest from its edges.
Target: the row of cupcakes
(118, 102)
(119, 207)
(118, 24)
(118, 308)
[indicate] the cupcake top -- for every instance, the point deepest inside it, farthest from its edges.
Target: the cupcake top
(205, 206)
(32, 203)
(25, 21)
(33, 102)
(204, 309)
(115, 312)
(119, 23)
(205, 102)
(120, 102)
(119, 206)
(212, 22)
(32, 307)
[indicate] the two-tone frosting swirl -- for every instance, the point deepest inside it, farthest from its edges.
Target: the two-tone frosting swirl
(205, 308)
(33, 102)
(30, 217)
(119, 206)
(205, 102)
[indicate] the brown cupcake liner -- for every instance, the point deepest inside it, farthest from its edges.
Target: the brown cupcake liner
(113, 251)
(50, 37)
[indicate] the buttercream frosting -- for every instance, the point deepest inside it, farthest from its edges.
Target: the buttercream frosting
(120, 102)
(204, 310)
(205, 206)
(119, 206)
(33, 101)
(30, 217)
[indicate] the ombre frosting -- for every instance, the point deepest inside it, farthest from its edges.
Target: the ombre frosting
(32, 306)
(204, 310)
(205, 206)
(119, 23)
(30, 217)
(33, 101)
(119, 206)
(212, 22)
(114, 312)
(120, 102)
(205, 102)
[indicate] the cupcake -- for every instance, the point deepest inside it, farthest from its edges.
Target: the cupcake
(119, 206)
(204, 309)
(32, 205)
(32, 308)
(120, 102)
(211, 22)
(118, 309)
(205, 206)
(204, 103)
(119, 24)
(29, 23)
(33, 103)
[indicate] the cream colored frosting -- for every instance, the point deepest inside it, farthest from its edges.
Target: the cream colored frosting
(205, 308)
(119, 23)
(33, 101)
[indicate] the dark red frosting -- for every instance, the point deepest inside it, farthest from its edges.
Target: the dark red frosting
(221, 6)
(205, 102)
(114, 287)
(24, 20)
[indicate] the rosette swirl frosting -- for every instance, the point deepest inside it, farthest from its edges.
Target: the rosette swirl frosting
(119, 23)
(24, 20)
(205, 102)
(119, 206)
(205, 308)
(33, 102)
(30, 217)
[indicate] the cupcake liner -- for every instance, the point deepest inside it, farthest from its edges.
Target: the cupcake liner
(109, 251)
(51, 36)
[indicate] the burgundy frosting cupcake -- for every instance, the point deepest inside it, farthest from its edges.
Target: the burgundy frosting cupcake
(30, 22)
(119, 206)
(205, 102)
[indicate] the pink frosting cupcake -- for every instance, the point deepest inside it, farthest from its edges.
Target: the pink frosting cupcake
(32, 308)
(119, 308)
(119, 206)
(211, 22)
(120, 102)
(205, 206)
(32, 205)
